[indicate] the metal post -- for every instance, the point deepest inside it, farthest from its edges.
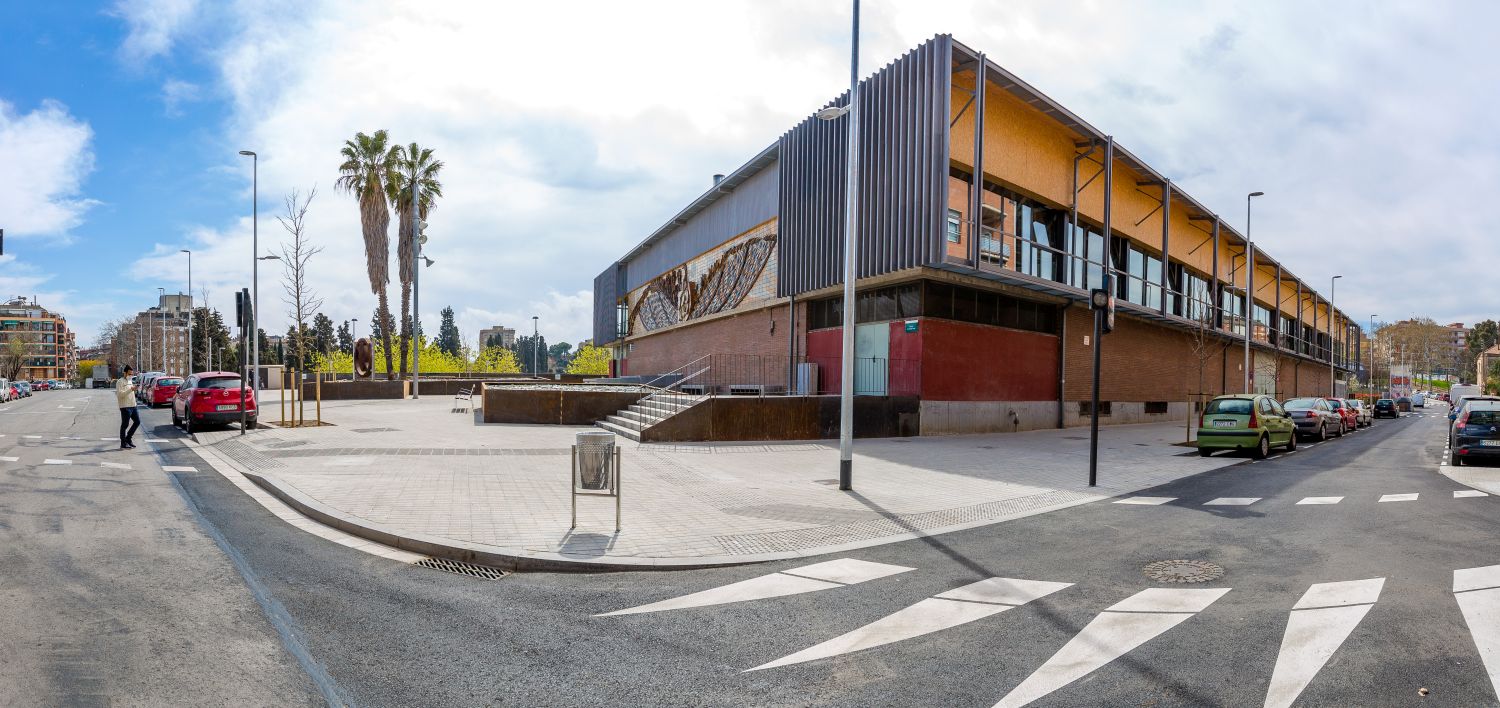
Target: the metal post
(191, 312)
(1166, 258)
(573, 487)
(320, 399)
(535, 365)
(1109, 190)
(1249, 283)
(161, 305)
(1333, 284)
(416, 296)
(282, 391)
(1371, 375)
(618, 491)
(851, 246)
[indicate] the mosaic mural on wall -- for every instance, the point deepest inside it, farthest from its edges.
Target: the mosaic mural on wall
(712, 283)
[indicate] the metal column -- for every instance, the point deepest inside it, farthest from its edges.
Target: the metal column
(1109, 188)
(1166, 219)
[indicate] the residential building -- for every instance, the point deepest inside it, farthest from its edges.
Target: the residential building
(51, 348)
(506, 336)
(972, 304)
(1482, 366)
(156, 339)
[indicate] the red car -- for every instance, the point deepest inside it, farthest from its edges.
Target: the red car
(212, 398)
(161, 390)
(1348, 415)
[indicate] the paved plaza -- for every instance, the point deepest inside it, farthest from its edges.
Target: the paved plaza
(421, 469)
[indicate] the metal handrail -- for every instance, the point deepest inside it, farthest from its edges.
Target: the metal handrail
(663, 390)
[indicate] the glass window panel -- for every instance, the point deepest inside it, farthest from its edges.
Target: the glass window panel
(955, 220)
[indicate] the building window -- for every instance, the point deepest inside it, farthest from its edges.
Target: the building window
(954, 225)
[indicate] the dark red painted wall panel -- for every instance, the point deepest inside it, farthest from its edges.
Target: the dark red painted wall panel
(970, 362)
(825, 348)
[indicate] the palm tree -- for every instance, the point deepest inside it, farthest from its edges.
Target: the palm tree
(411, 164)
(367, 173)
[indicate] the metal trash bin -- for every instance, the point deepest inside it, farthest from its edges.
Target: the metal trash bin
(595, 466)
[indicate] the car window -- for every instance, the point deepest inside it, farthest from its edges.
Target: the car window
(1265, 407)
(170, 382)
(1301, 404)
(1334, 404)
(220, 382)
(1229, 406)
(1484, 416)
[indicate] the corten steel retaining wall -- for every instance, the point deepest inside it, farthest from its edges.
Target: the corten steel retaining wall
(755, 418)
(357, 390)
(505, 404)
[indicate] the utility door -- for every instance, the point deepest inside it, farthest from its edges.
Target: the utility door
(872, 354)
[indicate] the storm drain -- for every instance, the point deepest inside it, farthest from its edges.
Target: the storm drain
(461, 568)
(1183, 571)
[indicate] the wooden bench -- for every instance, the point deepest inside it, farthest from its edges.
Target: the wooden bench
(466, 397)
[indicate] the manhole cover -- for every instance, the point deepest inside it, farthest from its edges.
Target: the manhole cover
(1183, 571)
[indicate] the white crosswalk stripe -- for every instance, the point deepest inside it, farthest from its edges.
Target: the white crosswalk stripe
(1320, 500)
(809, 578)
(1318, 625)
(115, 465)
(946, 610)
(1119, 629)
(50, 461)
(1398, 497)
(1232, 501)
(1477, 591)
(1466, 493)
(1146, 501)
(175, 468)
(10, 459)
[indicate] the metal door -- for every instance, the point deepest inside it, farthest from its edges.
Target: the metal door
(872, 351)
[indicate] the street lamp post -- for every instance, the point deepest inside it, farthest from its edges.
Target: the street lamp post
(535, 368)
(190, 313)
(851, 246)
(161, 306)
(1371, 376)
(254, 268)
(1249, 283)
(1333, 284)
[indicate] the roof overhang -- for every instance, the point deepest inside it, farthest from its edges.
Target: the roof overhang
(725, 186)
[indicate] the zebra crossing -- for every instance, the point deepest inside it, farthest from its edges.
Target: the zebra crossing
(1304, 501)
(1316, 625)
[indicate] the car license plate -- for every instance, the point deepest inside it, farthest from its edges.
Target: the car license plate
(229, 407)
(1223, 424)
(1489, 443)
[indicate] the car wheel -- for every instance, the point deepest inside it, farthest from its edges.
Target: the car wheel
(1455, 460)
(1291, 443)
(1204, 452)
(1343, 428)
(187, 425)
(252, 425)
(175, 420)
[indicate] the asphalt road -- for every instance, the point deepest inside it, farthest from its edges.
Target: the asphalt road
(375, 632)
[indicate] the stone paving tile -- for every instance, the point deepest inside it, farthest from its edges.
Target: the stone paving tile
(444, 474)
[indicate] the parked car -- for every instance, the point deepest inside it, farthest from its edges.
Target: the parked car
(1348, 419)
(5, 394)
(1476, 433)
(16, 391)
(1403, 404)
(212, 398)
(1386, 407)
(25, 387)
(1419, 400)
(1362, 417)
(143, 384)
(163, 388)
(1313, 416)
(1245, 422)
(1458, 408)
(39, 386)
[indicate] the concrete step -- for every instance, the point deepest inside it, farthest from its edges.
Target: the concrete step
(661, 409)
(623, 432)
(644, 415)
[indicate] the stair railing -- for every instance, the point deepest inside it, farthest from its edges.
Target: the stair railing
(687, 372)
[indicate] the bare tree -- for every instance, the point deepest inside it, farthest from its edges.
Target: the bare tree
(18, 346)
(1205, 343)
(294, 257)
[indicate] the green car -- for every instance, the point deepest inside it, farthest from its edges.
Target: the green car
(1245, 421)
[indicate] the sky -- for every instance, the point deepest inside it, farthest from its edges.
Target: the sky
(570, 131)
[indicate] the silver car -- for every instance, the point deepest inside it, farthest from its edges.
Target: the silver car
(1364, 415)
(1314, 417)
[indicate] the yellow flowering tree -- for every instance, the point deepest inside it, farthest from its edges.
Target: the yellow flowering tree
(590, 360)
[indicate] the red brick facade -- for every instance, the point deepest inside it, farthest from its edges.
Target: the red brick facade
(761, 332)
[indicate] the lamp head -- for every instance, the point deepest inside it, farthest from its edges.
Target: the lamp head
(247, 152)
(831, 113)
(1257, 194)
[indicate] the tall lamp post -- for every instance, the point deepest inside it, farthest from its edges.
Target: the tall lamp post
(254, 268)
(161, 305)
(535, 369)
(851, 245)
(1249, 283)
(1371, 375)
(1333, 284)
(190, 313)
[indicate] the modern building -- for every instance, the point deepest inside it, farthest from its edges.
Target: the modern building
(505, 336)
(50, 347)
(1483, 365)
(1458, 345)
(972, 292)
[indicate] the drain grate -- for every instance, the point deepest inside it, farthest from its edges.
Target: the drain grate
(1183, 571)
(461, 568)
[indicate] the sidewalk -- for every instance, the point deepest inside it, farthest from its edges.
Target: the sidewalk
(415, 475)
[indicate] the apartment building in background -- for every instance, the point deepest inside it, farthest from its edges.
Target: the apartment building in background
(987, 213)
(504, 336)
(52, 351)
(156, 339)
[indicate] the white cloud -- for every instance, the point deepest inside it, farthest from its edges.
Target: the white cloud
(44, 157)
(570, 131)
(154, 25)
(175, 92)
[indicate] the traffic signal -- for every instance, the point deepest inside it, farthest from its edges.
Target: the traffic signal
(1103, 299)
(239, 309)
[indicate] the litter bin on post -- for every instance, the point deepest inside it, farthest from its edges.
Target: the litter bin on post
(596, 470)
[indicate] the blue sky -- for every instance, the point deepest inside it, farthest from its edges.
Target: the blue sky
(570, 131)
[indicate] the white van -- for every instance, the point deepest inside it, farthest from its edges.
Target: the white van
(1418, 400)
(4, 389)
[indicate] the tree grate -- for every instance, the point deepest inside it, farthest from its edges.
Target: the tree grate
(461, 568)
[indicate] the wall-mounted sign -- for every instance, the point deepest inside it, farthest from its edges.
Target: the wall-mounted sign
(911, 325)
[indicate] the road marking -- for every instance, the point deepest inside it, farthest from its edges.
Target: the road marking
(1398, 497)
(1465, 493)
(171, 468)
(1320, 500)
(116, 465)
(809, 578)
(971, 602)
(1477, 591)
(32, 437)
(10, 459)
(109, 438)
(1148, 501)
(50, 461)
(1318, 625)
(1117, 630)
(1232, 501)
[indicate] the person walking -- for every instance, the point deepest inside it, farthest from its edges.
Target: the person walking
(125, 397)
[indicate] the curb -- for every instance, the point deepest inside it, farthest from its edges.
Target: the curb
(482, 554)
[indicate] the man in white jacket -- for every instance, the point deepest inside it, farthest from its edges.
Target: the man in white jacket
(125, 397)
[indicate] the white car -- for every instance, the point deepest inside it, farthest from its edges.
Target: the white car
(4, 390)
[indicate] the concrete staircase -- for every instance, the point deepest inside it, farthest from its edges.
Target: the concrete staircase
(653, 409)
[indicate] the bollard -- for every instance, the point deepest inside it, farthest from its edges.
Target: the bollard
(281, 381)
(320, 399)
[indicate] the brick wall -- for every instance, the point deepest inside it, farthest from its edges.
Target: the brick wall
(748, 333)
